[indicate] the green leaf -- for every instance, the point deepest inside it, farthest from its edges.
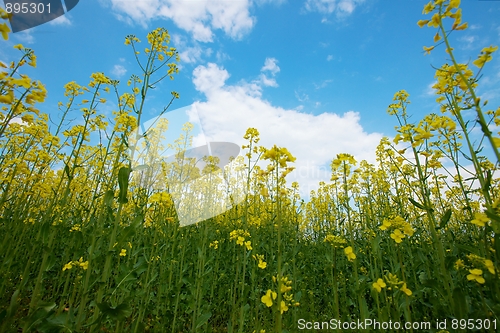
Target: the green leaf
(497, 246)
(51, 261)
(487, 181)
(66, 170)
(416, 204)
(495, 221)
(444, 219)
(119, 312)
(492, 215)
(460, 302)
(45, 231)
(203, 319)
(14, 304)
(123, 178)
(297, 297)
(108, 198)
(3, 314)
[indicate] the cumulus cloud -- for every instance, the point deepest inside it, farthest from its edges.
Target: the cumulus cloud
(199, 18)
(61, 20)
(271, 65)
(118, 71)
(340, 7)
(229, 110)
(190, 52)
(25, 36)
(209, 78)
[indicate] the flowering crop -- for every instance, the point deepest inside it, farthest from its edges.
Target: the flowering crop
(90, 244)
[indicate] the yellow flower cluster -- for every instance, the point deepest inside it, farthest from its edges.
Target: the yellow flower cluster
(4, 28)
(397, 224)
(76, 227)
(280, 156)
(214, 244)
(285, 287)
(80, 263)
(260, 258)
(393, 281)
(335, 241)
(476, 260)
(239, 236)
(158, 40)
(443, 9)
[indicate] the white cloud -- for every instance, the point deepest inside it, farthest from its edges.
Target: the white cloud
(25, 36)
(276, 2)
(61, 20)
(329, 58)
(222, 56)
(229, 110)
(301, 97)
(118, 71)
(269, 82)
(468, 42)
(191, 54)
(271, 65)
(323, 84)
(207, 79)
(431, 91)
(199, 18)
(340, 7)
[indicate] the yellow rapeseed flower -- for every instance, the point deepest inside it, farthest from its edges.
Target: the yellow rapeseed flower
(475, 275)
(406, 290)
(489, 265)
(435, 20)
(428, 8)
(398, 236)
(379, 285)
(349, 253)
(480, 219)
(454, 3)
(82, 264)
(428, 49)
(69, 265)
(421, 23)
(459, 264)
(283, 307)
(485, 56)
(267, 299)
(385, 225)
(4, 30)
(123, 253)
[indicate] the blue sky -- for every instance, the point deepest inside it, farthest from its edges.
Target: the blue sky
(315, 76)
